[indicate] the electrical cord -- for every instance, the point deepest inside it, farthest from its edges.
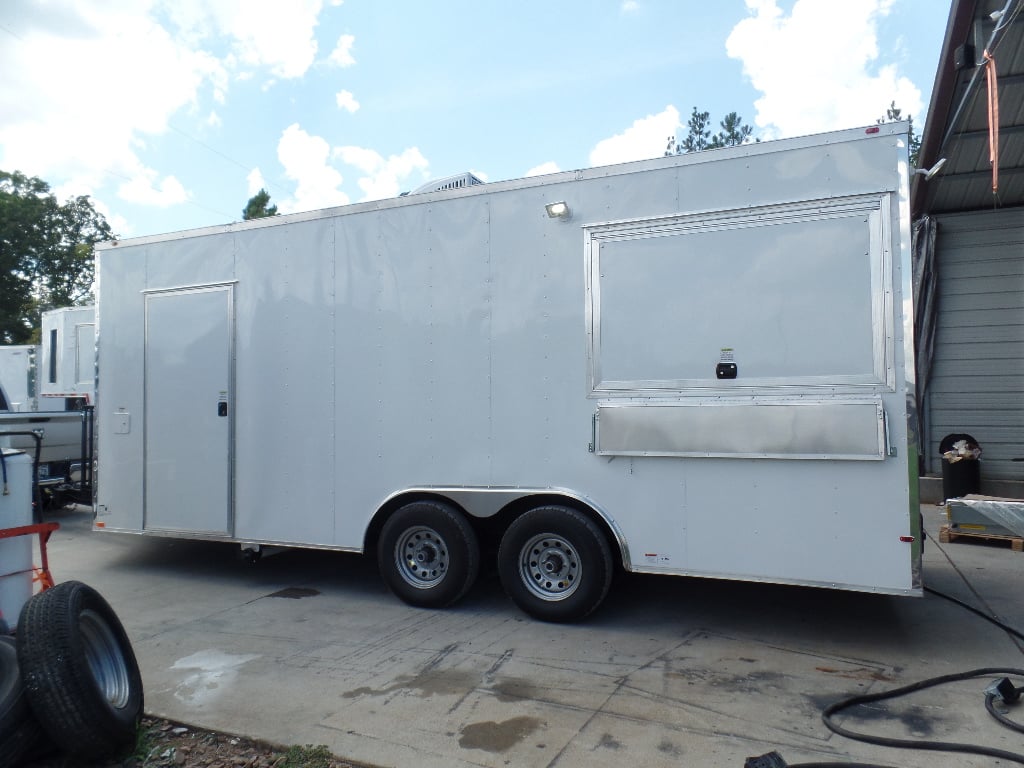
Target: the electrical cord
(1003, 690)
(937, 746)
(1005, 627)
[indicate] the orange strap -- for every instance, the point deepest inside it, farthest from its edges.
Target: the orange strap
(993, 118)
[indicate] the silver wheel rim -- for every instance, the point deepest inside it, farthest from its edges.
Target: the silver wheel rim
(104, 658)
(550, 567)
(422, 557)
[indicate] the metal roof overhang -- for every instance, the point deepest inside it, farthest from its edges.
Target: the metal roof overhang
(957, 126)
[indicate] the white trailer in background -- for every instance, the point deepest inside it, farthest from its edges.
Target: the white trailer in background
(694, 365)
(18, 378)
(47, 392)
(66, 365)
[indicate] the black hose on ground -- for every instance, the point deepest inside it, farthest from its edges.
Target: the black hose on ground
(936, 746)
(774, 760)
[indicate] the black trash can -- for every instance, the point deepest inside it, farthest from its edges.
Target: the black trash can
(961, 477)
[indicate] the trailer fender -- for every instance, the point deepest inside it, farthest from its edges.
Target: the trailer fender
(494, 509)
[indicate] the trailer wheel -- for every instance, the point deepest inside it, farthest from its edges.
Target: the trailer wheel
(428, 554)
(80, 672)
(555, 564)
(20, 732)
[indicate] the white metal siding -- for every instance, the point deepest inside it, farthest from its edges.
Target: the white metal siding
(978, 374)
(439, 341)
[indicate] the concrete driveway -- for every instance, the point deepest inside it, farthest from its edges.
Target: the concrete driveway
(308, 647)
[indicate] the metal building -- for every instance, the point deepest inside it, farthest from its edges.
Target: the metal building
(969, 244)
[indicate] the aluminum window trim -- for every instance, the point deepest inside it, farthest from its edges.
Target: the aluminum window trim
(875, 206)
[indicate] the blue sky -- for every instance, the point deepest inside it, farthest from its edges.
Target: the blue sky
(171, 113)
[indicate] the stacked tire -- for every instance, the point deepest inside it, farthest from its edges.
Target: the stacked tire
(70, 680)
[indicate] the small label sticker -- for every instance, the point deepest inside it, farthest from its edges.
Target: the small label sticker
(653, 558)
(727, 355)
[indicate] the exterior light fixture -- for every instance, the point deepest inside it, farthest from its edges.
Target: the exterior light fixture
(929, 172)
(559, 210)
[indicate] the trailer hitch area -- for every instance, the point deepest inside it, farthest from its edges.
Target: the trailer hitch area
(251, 552)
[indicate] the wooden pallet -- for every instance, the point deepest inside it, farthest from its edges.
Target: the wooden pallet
(947, 534)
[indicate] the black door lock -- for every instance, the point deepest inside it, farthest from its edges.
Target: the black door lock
(725, 371)
(222, 408)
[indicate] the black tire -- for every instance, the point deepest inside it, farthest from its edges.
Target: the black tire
(80, 672)
(428, 554)
(555, 564)
(20, 732)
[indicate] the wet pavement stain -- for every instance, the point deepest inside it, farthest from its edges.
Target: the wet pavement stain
(513, 689)
(917, 721)
(608, 742)
(498, 737)
(668, 748)
(424, 685)
(863, 673)
(295, 593)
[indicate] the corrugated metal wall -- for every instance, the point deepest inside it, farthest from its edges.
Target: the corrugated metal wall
(977, 380)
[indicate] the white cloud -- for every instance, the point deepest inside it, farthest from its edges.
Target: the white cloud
(644, 139)
(342, 53)
(51, 126)
(263, 33)
(543, 168)
(347, 101)
(305, 160)
(630, 6)
(255, 181)
(383, 177)
(154, 59)
(818, 68)
(144, 189)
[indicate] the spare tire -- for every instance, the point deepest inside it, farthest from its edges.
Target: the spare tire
(79, 671)
(20, 732)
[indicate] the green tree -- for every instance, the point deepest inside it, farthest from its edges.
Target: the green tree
(894, 114)
(46, 252)
(733, 132)
(258, 208)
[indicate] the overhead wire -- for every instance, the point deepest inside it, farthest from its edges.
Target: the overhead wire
(225, 156)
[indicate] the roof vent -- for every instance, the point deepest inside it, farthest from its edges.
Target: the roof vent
(458, 181)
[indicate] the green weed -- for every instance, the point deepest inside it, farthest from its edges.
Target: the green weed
(307, 757)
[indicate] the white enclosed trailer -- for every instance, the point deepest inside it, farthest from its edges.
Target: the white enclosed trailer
(59, 441)
(18, 378)
(695, 365)
(66, 369)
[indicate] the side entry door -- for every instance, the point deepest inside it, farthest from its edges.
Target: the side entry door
(189, 370)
